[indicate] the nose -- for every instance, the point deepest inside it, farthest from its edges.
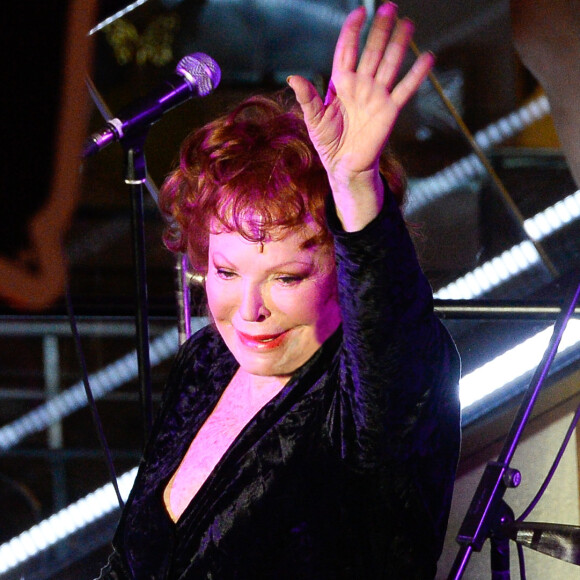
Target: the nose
(253, 306)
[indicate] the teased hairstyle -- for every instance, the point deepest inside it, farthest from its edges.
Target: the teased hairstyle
(254, 171)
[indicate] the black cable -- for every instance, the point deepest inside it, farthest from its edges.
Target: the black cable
(521, 561)
(90, 398)
(555, 464)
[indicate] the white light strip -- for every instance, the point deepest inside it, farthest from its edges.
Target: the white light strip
(513, 363)
(491, 274)
(116, 16)
(518, 258)
(426, 190)
(64, 523)
(102, 382)
(553, 218)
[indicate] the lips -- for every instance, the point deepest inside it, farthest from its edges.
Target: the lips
(262, 342)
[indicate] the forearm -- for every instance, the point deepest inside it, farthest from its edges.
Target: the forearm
(398, 364)
(379, 272)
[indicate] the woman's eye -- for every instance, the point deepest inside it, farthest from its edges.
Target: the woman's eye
(287, 280)
(225, 274)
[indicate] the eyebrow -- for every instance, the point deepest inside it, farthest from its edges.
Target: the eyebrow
(219, 255)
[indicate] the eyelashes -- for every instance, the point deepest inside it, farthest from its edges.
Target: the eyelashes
(225, 273)
(284, 279)
(288, 280)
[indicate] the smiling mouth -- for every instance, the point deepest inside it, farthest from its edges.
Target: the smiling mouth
(262, 341)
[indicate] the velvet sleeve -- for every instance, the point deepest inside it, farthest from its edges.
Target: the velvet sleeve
(399, 368)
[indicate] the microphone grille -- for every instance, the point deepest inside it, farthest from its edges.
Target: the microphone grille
(201, 71)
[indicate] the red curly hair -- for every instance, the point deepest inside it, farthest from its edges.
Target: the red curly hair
(254, 171)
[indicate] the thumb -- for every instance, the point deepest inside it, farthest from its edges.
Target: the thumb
(308, 99)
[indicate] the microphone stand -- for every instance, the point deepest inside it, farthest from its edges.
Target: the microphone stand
(487, 511)
(135, 177)
(182, 296)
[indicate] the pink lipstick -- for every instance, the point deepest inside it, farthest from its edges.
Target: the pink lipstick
(261, 341)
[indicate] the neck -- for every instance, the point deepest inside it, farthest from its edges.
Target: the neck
(255, 385)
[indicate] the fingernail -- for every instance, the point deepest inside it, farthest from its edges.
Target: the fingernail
(410, 24)
(387, 8)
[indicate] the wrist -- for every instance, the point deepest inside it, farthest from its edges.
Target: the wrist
(358, 198)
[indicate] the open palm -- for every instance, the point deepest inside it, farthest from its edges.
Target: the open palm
(351, 127)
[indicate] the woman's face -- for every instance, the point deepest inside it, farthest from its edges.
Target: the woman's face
(273, 305)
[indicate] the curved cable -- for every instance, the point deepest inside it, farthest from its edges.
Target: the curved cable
(553, 468)
(91, 400)
(521, 561)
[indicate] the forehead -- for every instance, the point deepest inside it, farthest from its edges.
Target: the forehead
(252, 228)
(283, 244)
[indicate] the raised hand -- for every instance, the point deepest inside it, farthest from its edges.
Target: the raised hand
(352, 125)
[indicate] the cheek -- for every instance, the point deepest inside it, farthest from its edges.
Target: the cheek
(308, 304)
(218, 300)
(325, 304)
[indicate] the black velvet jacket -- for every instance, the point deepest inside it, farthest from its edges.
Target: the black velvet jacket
(346, 473)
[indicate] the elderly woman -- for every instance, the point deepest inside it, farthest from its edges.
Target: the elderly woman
(312, 429)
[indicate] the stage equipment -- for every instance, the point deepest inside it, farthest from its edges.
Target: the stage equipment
(425, 191)
(507, 199)
(196, 75)
(488, 515)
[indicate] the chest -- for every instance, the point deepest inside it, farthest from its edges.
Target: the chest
(234, 411)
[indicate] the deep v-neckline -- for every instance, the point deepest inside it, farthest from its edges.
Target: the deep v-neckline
(237, 406)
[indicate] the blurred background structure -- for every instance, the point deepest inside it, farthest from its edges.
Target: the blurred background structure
(501, 248)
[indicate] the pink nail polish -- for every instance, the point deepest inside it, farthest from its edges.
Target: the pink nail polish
(387, 8)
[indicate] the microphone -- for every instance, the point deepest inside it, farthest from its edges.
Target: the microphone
(560, 541)
(196, 75)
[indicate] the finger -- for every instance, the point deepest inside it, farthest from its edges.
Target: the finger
(308, 99)
(395, 53)
(346, 52)
(409, 84)
(378, 38)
